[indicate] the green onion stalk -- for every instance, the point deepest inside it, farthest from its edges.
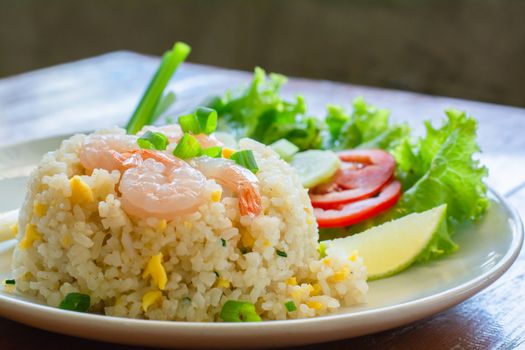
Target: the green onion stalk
(145, 112)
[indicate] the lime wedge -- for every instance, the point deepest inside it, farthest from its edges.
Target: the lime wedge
(391, 247)
(315, 167)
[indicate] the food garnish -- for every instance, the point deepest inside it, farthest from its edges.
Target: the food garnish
(315, 167)
(188, 147)
(153, 140)
(239, 311)
(389, 248)
(246, 159)
(76, 302)
(145, 111)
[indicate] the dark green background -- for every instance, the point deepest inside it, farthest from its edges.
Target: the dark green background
(469, 49)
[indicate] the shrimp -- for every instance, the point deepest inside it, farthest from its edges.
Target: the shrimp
(99, 150)
(158, 185)
(174, 133)
(237, 179)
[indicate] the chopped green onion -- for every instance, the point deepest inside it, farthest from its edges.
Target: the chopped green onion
(187, 299)
(207, 118)
(322, 250)
(246, 159)
(216, 273)
(213, 152)
(189, 123)
(290, 306)
(76, 302)
(153, 140)
(284, 148)
(145, 111)
(239, 311)
(244, 250)
(188, 147)
(223, 242)
(281, 253)
(11, 282)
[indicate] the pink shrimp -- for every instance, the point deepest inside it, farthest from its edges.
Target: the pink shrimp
(158, 185)
(235, 178)
(98, 150)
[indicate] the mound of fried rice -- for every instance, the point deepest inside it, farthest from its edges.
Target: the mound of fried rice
(210, 256)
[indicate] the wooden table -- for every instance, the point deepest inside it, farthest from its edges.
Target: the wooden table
(102, 91)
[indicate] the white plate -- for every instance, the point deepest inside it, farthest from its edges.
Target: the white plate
(487, 251)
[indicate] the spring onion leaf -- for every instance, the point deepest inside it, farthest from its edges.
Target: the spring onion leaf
(207, 118)
(153, 140)
(223, 242)
(190, 124)
(188, 147)
(239, 311)
(281, 253)
(144, 113)
(246, 159)
(290, 306)
(11, 282)
(76, 302)
(213, 152)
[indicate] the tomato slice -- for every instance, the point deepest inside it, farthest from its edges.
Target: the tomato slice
(362, 174)
(354, 212)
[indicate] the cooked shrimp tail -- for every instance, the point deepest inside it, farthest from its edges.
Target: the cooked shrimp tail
(249, 200)
(235, 178)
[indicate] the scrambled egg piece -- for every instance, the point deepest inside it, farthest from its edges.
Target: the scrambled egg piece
(314, 305)
(292, 281)
(216, 195)
(80, 191)
(156, 271)
(150, 298)
(227, 152)
(39, 209)
(353, 256)
(223, 283)
(340, 275)
(162, 225)
(30, 237)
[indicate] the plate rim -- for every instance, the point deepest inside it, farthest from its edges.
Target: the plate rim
(432, 303)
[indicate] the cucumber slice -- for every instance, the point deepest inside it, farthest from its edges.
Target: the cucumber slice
(315, 167)
(389, 248)
(284, 148)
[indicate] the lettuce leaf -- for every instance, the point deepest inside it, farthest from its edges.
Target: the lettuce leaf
(259, 112)
(366, 127)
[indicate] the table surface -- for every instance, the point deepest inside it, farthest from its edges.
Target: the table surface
(102, 91)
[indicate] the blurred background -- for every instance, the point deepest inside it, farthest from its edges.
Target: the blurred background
(472, 49)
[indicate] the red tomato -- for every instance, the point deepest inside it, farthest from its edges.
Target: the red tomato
(354, 212)
(362, 174)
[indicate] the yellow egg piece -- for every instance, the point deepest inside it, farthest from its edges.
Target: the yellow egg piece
(31, 235)
(80, 191)
(156, 270)
(150, 298)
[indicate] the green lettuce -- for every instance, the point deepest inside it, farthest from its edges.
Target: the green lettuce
(259, 112)
(366, 127)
